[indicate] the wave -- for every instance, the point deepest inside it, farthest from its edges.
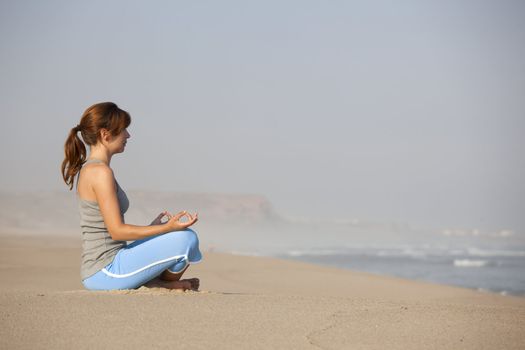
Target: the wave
(235, 252)
(473, 251)
(415, 252)
(470, 263)
(317, 252)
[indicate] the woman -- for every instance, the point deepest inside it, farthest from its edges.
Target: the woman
(160, 252)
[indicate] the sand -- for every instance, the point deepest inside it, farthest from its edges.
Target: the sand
(244, 303)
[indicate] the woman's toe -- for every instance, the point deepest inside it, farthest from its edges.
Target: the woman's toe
(195, 283)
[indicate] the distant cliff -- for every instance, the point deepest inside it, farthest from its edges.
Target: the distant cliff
(58, 210)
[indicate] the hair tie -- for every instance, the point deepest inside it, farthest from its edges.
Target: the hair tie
(77, 128)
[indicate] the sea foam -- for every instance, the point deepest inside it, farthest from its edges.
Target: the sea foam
(470, 263)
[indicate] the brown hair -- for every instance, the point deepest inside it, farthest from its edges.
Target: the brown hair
(104, 115)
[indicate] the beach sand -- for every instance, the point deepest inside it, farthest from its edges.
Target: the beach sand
(244, 303)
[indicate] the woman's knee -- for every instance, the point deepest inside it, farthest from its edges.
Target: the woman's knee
(188, 235)
(191, 237)
(185, 243)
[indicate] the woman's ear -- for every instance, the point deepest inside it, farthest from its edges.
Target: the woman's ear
(105, 135)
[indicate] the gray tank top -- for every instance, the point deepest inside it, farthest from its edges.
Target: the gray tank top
(98, 249)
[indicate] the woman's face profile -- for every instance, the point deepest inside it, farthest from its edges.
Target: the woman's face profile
(118, 143)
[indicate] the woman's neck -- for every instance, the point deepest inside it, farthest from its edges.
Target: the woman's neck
(100, 154)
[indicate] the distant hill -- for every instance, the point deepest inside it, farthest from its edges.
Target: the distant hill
(59, 210)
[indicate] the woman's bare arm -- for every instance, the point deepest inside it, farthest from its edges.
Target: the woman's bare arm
(103, 185)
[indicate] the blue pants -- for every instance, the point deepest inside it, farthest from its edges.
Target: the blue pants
(145, 259)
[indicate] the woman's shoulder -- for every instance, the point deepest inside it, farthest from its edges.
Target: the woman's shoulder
(97, 169)
(93, 175)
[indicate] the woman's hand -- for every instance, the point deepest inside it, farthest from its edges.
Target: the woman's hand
(176, 225)
(158, 219)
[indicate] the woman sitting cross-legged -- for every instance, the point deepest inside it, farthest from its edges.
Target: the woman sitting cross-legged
(160, 253)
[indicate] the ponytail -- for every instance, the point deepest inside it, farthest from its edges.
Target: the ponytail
(75, 156)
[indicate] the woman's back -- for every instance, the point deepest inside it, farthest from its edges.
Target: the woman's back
(98, 248)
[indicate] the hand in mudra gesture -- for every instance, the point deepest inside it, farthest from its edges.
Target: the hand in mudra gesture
(174, 221)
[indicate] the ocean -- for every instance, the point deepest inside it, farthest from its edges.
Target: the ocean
(484, 268)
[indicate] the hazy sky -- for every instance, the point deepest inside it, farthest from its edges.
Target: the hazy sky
(408, 110)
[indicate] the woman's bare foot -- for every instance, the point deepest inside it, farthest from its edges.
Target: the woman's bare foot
(192, 283)
(167, 275)
(172, 280)
(195, 283)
